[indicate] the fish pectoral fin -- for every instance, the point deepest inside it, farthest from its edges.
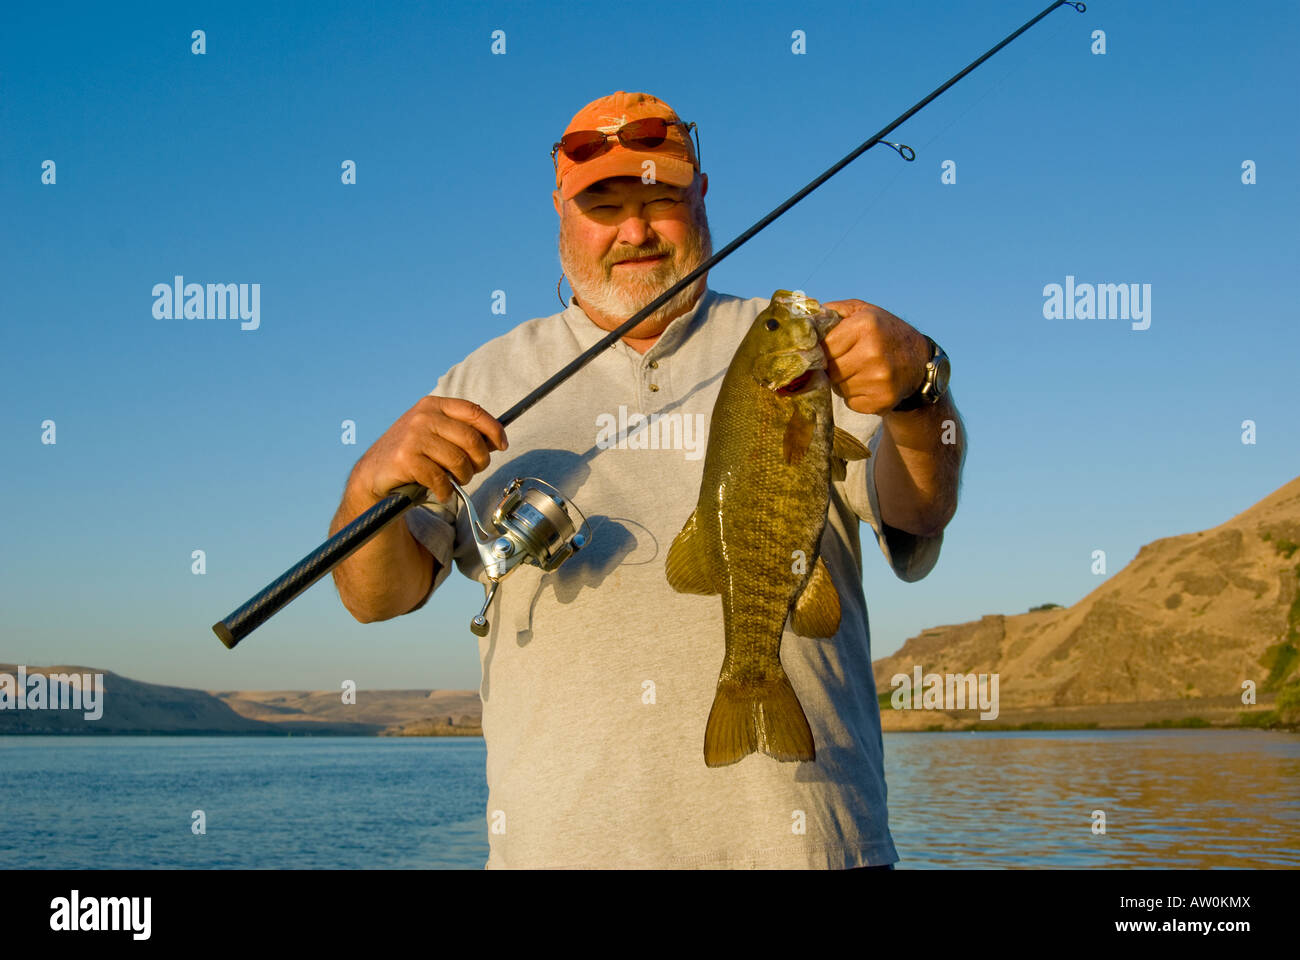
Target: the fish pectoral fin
(689, 568)
(845, 447)
(798, 437)
(848, 447)
(817, 611)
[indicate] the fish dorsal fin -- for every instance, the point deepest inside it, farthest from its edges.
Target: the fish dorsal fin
(817, 611)
(845, 447)
(690, 570)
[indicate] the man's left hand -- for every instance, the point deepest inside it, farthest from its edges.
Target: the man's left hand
(873, 358)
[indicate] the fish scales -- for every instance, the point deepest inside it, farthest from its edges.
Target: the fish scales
(766, 510)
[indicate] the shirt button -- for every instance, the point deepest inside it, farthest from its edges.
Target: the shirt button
(653, 364)
(654, 386)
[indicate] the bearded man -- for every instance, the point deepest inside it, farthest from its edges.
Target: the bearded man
(598, 677)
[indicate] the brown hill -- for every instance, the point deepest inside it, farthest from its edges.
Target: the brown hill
(1191, 617)
(375, 712)
(133, 706)
(130, 706)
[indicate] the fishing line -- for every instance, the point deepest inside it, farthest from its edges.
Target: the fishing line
(925, 146)
(528, 536)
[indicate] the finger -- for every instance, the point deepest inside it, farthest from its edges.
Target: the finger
(848, 345)
(469, 412)
(431, 476)
(845, 307)
(411, 465)
(461, 434)
(854, 369)
(451, 458)
(846, 334)
(838, 374)
(839, 340)
(842, 307)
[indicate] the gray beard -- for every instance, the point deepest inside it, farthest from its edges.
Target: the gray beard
(622, 298)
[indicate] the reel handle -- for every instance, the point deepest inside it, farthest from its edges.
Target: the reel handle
(479, 626)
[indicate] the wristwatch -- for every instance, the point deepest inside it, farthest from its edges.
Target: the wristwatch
(935, 385)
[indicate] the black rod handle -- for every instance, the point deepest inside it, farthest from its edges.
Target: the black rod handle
(316, 564)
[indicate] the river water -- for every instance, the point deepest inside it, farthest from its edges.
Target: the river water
(1170, 798)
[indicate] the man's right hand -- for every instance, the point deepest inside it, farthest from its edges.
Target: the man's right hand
(392, 573)
(436, 437)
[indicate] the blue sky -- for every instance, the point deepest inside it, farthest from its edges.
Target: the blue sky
(176, 435)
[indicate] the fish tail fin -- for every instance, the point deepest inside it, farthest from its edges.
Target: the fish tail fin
(747, 717)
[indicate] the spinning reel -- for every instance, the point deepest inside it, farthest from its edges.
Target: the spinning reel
(533, 524)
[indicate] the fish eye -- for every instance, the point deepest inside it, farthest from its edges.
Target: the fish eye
(772, 323)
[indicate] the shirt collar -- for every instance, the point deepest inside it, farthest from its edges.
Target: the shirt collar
(587, 333)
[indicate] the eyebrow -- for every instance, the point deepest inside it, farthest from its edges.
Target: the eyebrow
(601, 188)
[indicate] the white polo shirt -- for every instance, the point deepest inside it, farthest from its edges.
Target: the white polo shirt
(598, 677)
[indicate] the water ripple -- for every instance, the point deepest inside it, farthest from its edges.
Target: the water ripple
(1178, 798)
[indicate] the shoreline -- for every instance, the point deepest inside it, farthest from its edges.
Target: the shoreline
(1198, 713)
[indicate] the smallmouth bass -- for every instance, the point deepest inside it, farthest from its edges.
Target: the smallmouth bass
(772, 454)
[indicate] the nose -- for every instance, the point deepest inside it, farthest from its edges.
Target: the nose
(635, 231)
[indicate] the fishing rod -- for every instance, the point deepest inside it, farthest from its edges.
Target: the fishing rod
(534, 523)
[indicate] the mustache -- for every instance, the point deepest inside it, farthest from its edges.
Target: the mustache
(658, 251)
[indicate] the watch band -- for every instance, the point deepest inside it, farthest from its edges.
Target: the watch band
(930, 391)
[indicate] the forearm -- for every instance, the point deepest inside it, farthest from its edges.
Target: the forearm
(387, 576)
(917, 471)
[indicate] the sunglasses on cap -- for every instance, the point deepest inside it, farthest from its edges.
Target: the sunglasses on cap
(644, 134)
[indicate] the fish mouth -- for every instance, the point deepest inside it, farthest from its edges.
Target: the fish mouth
(815, 361)
(797, 385)
(825, 321)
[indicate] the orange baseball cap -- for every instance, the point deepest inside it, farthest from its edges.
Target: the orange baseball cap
(675, 160)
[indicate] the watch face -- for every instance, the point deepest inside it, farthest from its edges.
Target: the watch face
(941, 375)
